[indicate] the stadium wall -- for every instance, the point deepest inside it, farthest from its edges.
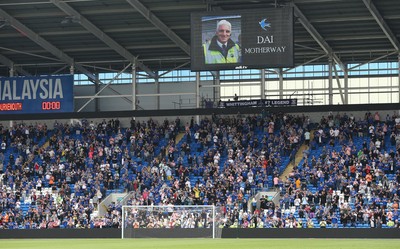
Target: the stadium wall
(285, 233)
(60, 233)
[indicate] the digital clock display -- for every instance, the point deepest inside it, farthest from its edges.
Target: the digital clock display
(45, 94)
(52, 105)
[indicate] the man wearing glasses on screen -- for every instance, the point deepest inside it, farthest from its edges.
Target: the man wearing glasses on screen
(222, 49)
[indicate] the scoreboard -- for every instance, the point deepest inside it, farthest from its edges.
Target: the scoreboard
(30, 95)
(259, 38)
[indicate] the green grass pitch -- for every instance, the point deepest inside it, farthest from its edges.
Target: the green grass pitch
(199, 243)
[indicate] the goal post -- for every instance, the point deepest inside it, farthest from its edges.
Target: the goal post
(194, 221)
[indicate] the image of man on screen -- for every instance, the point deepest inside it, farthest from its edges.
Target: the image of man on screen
(221, 48)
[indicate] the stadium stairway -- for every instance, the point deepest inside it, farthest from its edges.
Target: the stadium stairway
(298, 157)
(179, 137)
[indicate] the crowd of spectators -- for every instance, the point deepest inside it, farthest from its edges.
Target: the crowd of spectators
(349, 174)
(65, 179)
(83, 160)
(351, 179)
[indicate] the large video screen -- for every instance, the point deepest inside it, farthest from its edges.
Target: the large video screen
(44, 94)
(242, 39)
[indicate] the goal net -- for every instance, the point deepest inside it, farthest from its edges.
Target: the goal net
(170, 222)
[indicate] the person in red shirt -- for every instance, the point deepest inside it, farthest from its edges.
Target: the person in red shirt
(367, 169)
(368, 178)
(353, 170)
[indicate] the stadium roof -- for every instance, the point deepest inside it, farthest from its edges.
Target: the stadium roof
(47, 36)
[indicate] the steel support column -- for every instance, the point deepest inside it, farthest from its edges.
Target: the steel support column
(11, 70)
(338, 83)
(97, 88)
(217, 90)
(72, 69)
(134, 86)
(262, 83)
(197, 90)
(346, 85)
(280, 75)
(330, 81)
(157, 84)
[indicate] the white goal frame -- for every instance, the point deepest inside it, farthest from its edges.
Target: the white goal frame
(211, 208)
